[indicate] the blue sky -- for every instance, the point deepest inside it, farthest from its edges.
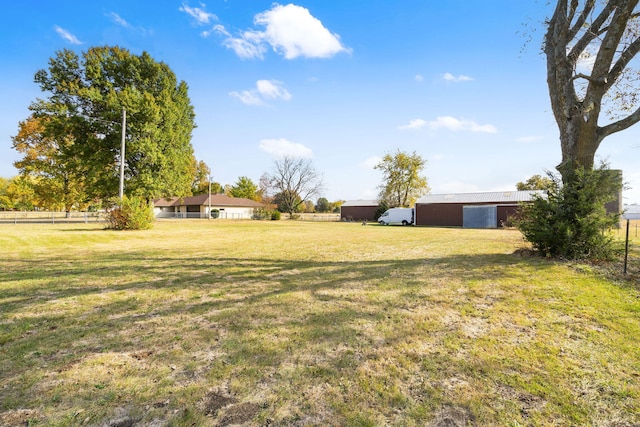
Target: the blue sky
(461, 82)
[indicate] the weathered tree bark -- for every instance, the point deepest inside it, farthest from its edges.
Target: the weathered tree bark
(607, 33)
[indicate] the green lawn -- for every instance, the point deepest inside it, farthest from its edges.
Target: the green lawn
(199, 323)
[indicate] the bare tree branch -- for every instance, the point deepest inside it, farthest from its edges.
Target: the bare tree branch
(296, 181)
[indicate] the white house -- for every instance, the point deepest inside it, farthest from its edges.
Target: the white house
(198, 207)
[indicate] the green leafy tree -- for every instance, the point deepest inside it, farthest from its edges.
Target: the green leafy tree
(536, 182)
(245, 188)
(285, 200)
(383, 206)
(570, 221)
(295, 181)
(86, 97)
(200, 184)
(323, 205)
(217, 188)
(402, 181)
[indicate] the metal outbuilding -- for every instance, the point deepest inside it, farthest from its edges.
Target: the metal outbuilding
(471, 210)
(358, 210)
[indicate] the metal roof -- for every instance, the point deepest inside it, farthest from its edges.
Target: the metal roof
(487, 197)
(631, 212)
(361, 203)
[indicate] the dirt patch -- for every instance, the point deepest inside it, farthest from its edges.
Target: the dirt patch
(19, 417)
(453, 416)
(238, 414)
(214, 401)
(527, 402)
(218, 403)
(123, 422)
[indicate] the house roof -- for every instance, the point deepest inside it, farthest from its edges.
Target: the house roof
(360, 203)
(203, 199)
(487, 197)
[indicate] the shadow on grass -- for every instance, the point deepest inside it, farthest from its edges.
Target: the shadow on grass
(369, 332)
(36, 282)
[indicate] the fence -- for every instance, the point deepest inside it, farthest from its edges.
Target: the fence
(31, 217)
(329, 217)
(198, 215)
(256, 215)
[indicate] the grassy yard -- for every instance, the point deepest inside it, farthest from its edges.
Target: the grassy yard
(207, 323)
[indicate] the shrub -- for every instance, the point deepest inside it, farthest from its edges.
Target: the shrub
(383, 206)
(571, 221)
(130, 213)
(275, 215)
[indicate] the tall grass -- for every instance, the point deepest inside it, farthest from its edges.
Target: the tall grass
(290, 323)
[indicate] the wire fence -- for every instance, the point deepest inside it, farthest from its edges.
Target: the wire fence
(198, 215)
(40, 217)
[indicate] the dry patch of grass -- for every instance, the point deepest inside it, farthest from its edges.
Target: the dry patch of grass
(290, 323)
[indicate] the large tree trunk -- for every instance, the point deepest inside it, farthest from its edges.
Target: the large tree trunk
(578, 29)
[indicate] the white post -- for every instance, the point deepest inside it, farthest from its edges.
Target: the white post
(122, 153)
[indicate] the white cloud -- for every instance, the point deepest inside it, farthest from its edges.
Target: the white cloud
(450, 123)
(371, 162)
(290, 31)
(119, 20)
(461, 78)
(414, 124)
(282, 147)
(201, 16)
(248, 97)
(293, 31)
(474, 127)
(273, 89)
(247, 46)
(419, 78)
(455, 125)
(67, 35)
(265, 90)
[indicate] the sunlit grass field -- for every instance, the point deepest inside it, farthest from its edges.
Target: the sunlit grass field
(288, 323)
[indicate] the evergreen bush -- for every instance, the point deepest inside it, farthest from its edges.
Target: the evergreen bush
(571, 222)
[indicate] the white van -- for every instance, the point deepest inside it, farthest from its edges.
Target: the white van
(402, 216)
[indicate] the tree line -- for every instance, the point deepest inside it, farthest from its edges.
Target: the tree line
(20, 193)
(105, 98)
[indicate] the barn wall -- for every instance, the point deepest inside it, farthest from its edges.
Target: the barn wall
(439, 214)
(505, 213)
(450, 214)
(358, 213)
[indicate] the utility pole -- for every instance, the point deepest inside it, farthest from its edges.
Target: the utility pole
(209, 216)
(124, 128)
